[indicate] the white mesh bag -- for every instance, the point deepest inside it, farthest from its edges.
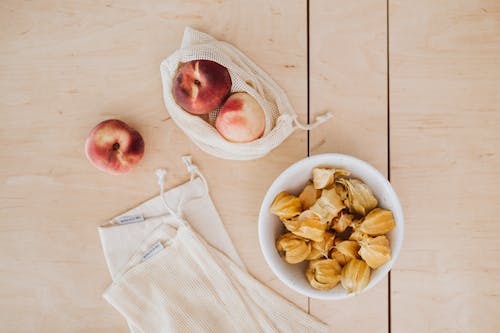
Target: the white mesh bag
(246, 76)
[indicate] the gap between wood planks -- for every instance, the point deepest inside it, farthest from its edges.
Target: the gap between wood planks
(388, 149)
(308, 111)
(388, 131)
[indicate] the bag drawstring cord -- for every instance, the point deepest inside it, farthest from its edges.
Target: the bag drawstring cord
(161, 173)
(193, 171)
(318, 121)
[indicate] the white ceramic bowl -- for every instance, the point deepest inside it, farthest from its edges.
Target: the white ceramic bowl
(293, 180)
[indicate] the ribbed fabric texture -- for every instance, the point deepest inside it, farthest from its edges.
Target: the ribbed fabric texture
(192, 287)
(120, 242)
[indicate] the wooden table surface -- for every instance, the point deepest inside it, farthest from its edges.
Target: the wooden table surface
(415, 90)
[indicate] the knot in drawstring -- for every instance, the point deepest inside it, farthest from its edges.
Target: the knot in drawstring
(195, 171)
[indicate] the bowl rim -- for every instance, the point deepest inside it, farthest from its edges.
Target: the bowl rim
(393, 198)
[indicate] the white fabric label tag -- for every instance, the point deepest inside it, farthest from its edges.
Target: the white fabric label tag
(153, 250)
(127, 219)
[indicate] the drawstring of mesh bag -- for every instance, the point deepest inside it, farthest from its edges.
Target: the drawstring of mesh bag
(193, 171)
(318, 121)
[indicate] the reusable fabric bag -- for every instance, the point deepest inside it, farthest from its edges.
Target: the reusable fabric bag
(167, 277)
(246, 76)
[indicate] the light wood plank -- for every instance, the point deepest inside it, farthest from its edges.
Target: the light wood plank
(65, 67)
(349, 77)
(445, 162)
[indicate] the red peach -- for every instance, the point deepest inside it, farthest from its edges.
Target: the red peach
(241, 119)
(200, 86)
(114, 147)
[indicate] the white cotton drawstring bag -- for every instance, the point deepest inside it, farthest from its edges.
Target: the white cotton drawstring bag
(175, 270)
(124, 234)
(246, 76)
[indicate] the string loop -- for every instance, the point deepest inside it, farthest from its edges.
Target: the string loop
(318, 121)
(193, 172)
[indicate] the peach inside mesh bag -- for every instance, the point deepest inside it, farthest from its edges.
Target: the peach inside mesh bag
(246, 76)
(179, 278)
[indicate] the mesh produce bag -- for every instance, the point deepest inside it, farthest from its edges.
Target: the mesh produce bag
(175, 269)
(246, 76)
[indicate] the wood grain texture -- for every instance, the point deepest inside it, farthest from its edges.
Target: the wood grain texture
(66, 66)
(445, 164)
(348, 76)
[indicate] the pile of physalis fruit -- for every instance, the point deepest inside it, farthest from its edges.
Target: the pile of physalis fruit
(336, 226)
